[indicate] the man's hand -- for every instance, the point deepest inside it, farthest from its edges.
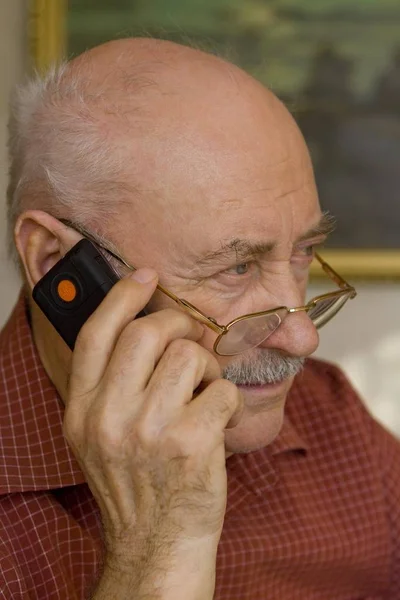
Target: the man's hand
(153, 454)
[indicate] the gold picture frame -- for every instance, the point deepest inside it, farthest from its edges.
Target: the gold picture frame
(362, 264)
(48, 42)
(47, 32)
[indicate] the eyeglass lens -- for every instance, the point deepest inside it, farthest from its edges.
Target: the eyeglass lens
(326, 308)
(249, 333)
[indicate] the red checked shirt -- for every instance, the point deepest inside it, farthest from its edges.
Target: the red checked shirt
(316, 515)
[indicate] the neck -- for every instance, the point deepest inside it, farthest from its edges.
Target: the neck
(54, 354)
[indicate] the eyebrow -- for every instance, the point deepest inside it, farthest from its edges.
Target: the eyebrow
(245, 250)
(325, 226)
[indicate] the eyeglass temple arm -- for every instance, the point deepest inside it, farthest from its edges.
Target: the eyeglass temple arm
(342, 283)
(95, 240)
(211, 323)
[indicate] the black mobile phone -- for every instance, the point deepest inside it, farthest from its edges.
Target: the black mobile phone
(72, 290)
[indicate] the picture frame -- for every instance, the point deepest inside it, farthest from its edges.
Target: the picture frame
(47, 32)
(48, 43)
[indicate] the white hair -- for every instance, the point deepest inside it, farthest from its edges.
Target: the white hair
(62, 158)
(65, 132)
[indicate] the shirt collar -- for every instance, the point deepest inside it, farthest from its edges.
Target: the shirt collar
(289, 439)
(257, 472)
(33, 452)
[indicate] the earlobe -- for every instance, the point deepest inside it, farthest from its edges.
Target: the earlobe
(39, 240)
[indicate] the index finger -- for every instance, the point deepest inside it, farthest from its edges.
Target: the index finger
(98, 336)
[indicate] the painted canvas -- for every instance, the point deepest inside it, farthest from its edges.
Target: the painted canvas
(335, 63)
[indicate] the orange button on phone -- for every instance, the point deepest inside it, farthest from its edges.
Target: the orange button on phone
(67, 291)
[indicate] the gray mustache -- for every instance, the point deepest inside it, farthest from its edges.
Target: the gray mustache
(267, 366)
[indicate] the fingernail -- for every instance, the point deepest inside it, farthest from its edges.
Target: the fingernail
(144, 275)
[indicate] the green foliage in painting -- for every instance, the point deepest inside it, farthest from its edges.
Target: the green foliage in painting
(276, 40)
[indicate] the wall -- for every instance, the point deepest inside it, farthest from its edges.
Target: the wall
(12, 51)
(364, 339)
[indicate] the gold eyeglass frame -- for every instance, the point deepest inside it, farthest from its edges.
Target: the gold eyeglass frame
(221, 330)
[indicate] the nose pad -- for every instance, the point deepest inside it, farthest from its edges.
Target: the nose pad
(296, 336)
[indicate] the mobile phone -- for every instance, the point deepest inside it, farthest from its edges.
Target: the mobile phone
(72, 290)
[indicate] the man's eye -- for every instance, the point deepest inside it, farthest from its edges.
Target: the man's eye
(241, 269)
(309, 250)
(306, 251)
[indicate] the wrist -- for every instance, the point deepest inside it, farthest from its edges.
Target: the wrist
(184, 570)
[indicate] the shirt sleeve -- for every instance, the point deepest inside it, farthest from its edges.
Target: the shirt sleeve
(388, 448)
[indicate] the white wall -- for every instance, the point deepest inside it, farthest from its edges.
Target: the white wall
(364, 338)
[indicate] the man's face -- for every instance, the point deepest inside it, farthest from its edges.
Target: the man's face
(227, 223)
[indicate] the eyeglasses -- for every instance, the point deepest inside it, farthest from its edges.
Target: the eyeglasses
(248, 331)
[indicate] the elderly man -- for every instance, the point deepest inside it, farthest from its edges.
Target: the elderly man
(165, 458)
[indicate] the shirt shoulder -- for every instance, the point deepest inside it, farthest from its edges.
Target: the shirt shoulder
(323, 386)
(327, 380)
(326, 409)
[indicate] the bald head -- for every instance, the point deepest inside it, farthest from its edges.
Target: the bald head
(77, 135)
(121, 62)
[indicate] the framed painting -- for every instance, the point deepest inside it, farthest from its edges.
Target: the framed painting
(336, 65)
(47, 22)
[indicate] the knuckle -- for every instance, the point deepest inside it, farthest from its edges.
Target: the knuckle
(171, 314)
(143, 437)
(129, 297)
(225, 388)
(177, 443)
(226, 395)
(144, 430)
(211, 418)
(184, 350)
(105, 433)
(173, 374)
(221, 408)
(141, 331)
(106, 437)
(122, 298)
(177, 320)
(136, 337)
(89, 337)
(127, 289)
(213, 364)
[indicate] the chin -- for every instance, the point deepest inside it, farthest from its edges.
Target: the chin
(261, 421)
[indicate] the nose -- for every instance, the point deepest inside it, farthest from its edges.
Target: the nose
(295, 336)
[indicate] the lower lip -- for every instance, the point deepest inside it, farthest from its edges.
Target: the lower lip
(268, 393)
(264, 387)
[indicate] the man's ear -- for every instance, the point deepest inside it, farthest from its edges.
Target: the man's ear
(41, 241)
